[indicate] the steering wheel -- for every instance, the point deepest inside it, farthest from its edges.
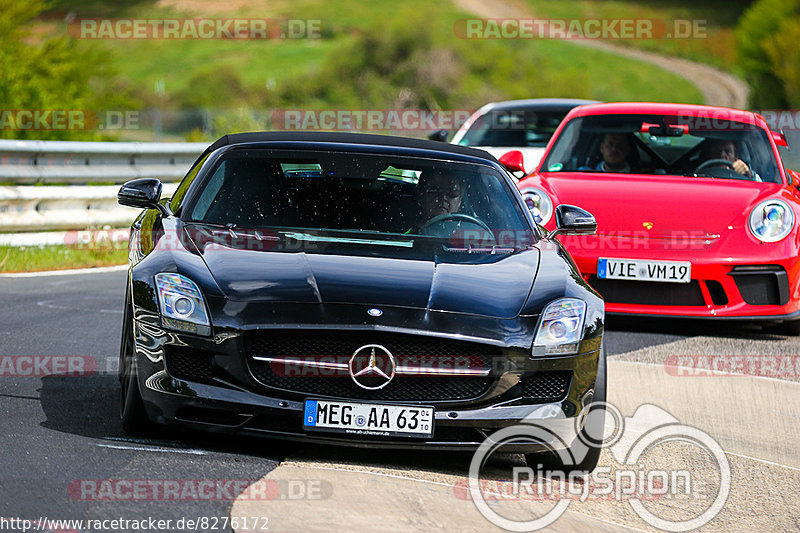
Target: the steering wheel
(460, 217)
(727, 172)
(713, 163)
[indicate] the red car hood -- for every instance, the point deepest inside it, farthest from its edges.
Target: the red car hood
(659, 206)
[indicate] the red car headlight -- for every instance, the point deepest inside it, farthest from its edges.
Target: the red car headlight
(771, 220)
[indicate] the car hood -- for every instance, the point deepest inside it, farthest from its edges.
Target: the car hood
(668, 206)
(480, 284)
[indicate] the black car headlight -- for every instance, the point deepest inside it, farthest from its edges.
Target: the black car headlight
(182, 305)
(771, 220)
(560, 328)
(539, 203)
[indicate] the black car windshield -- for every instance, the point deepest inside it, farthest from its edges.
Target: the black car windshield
(513, 127)
(361, 198)
(664, 144)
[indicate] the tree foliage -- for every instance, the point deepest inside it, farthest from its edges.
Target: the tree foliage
(49, 73)
(766, 38)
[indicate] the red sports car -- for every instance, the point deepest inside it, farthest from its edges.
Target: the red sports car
(696, 214)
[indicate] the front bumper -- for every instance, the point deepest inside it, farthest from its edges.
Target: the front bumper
(232, 401)
(221, 410)
(760, 283)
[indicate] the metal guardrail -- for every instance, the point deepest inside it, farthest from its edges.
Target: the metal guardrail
(25, 207)
(29, 162)
(31, 208)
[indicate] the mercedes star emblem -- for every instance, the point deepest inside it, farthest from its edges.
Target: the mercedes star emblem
(372, 367)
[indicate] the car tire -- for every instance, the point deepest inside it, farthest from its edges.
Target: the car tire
(594, 426)
(132, 414)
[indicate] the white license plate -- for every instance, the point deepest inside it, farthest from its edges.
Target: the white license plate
(368, 419)
(635, 269)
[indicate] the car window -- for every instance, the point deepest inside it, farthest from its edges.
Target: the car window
(360, 193)
(180, 192)
(211, 189)
(513, 127)
(664, 144)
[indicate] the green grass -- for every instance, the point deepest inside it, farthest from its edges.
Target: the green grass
(572, 71)
(38, 258)
(257, 62)
(497, 70)
(144, 62)
(716, 48)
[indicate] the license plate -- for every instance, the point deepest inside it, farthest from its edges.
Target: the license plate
(368, 419)
(635, 269)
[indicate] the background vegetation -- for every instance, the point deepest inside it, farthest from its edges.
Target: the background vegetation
(33, 258)
(370, 55)
(767, 37)
(715, 46)
(51, 72)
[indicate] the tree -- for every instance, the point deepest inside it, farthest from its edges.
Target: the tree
(766, 54)
(49, 74)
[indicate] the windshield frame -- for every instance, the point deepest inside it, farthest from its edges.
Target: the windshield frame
(580, 136)
(479, 123)
(391, 153)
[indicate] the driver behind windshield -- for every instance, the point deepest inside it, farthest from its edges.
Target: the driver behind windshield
(725, 149)
(437, 195)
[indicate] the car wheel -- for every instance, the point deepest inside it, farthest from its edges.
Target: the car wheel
(593, 428)
(132, 414)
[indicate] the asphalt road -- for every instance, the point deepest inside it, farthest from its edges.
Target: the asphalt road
(60, 434)
(57, 431)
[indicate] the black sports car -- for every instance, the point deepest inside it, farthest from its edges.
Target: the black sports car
(357, 290)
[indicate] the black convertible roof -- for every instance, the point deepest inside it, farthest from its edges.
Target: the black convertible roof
(346, 138)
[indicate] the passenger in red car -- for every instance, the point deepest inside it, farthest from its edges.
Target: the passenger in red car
(724, 149)
(616, 149)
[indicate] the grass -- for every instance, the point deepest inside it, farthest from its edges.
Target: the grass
(39, 258)
(716, 47)
(568, 70)
(260, 62)
(529, 68)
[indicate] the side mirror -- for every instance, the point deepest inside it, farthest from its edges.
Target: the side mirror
(438, 135)
(572, 220)
(793, 177)
(779, 138)
(513, 161)
(142, 192)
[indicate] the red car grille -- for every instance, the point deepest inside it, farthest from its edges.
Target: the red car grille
(648, 292)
